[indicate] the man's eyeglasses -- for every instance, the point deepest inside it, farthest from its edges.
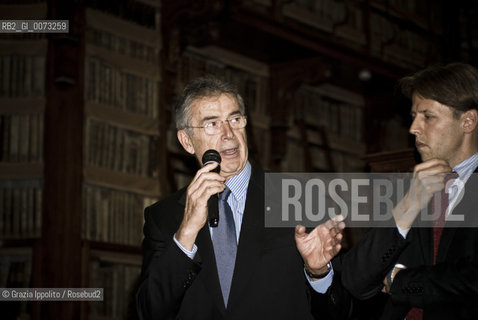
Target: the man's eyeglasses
(213, 127)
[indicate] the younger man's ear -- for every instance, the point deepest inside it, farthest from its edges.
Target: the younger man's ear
(185, 141)
(470, 120)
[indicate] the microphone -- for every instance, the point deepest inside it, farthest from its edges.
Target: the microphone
(212, 155)
(209, 156)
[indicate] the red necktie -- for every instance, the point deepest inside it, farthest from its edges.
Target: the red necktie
(415, 314)
(442, 198)
(440, 222)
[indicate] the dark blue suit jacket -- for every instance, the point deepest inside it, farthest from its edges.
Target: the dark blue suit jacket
(447, 290)
(268, 280)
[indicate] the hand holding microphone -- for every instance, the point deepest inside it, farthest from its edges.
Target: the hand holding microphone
(201, 201)
(209, 156)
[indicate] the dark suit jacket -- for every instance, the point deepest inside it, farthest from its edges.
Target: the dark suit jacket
(447, 290)
(268, 281)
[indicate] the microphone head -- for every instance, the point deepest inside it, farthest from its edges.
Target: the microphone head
(212, 155)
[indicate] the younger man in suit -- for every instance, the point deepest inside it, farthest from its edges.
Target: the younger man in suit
(429, 273)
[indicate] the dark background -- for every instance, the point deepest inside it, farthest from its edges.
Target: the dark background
(87, 138)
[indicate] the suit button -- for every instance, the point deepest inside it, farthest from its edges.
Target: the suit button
(332, 298)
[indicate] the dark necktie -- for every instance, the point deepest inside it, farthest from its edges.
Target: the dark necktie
(440, 222)
(440, 198)
(225, 244)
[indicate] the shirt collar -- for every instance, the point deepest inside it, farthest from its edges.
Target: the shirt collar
(466, 167)
(238, 184)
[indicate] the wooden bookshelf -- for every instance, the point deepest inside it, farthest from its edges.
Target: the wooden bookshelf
(23, 61)
(327, 131)
(121, 174)
(79, 116)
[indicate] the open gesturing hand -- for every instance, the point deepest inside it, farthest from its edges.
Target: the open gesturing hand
(319, 246)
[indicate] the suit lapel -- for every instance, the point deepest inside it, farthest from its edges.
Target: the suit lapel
(423, 231)
(251, 237)
(425, 236)
(445, 242)
(465, 207)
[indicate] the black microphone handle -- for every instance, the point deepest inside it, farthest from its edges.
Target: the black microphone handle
(213, 211)
(209, 156)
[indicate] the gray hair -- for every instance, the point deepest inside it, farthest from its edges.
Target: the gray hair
(208, 86)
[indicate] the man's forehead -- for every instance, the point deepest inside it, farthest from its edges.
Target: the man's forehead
(212, 105)
(422, 105)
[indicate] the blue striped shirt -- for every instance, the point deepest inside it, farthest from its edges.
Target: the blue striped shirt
(237, 199)
(464, 170)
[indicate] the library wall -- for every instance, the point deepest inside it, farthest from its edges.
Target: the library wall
(121, 167)
(22, 106)
(87, 129)
(118, 81)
